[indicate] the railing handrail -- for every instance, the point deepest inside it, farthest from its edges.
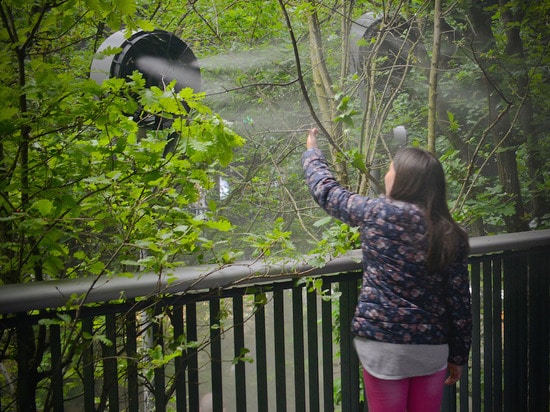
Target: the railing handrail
(57, 293)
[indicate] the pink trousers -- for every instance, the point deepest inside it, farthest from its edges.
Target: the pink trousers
(416, 394)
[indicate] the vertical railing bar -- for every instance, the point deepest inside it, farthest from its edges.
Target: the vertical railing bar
(464, 393)
(448, 403)
(216, 354)
(497, 333)
(88, 380)
(299, 351)
(475, 277)
(261, 362)
(179, 362)
(193, 362)
(57, 370)
(326, 339)
(131, 360)
(312, 350)
(280, 362)
(515, 333)
(239, 345)
(487, 336)
(349, 362)
(355, 364)
(158, 372)
(23, 357)
(110, 369)
(538, 332)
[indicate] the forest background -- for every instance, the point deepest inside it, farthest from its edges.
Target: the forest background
(81, 193)
(85, 190)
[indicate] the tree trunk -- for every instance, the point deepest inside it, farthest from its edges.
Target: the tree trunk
(514, 48)
(325, 97)
(499, 120)
(434, 67)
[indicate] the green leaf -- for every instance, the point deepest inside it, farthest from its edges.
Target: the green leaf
(222, 225)
(358, 162)
(96, 268)
(323, 221)
(43, 206)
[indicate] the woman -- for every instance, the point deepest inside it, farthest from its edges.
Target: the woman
(413, 317)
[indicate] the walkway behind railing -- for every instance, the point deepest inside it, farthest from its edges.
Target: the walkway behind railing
(251, 337)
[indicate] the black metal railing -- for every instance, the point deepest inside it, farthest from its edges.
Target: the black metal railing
(250, 337)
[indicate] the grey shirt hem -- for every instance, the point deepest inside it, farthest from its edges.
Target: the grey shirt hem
(398, 361)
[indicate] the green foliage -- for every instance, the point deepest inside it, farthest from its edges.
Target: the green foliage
(274, 243)
(346, 110)
(83, 188)
(337, 239)
(107, 183)
(219, 25)
(242, 357)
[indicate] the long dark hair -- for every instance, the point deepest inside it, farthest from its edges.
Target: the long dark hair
(420, 179)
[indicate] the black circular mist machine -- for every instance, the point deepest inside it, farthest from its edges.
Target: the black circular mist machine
(159, 56)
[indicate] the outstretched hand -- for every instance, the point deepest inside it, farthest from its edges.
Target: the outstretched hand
(311, 141)
(455, 371)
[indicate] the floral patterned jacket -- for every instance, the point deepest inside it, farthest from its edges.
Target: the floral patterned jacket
(399, 302)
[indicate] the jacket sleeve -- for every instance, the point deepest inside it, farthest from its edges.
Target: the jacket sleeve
(338, 202)
(460, 312)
